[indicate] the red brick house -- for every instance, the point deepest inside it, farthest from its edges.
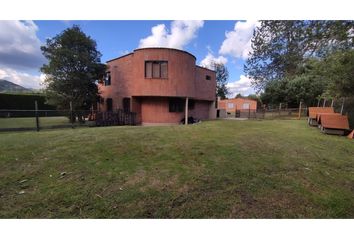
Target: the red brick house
(238, 104)
(161, 85)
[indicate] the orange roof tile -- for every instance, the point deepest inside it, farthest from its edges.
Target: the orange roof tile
(314, 110)
(334, 121)
(318, 116)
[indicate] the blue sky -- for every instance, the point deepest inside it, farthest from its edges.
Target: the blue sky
(227, 42)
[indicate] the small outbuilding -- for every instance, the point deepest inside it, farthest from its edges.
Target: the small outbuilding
(313, 111)
(334, 124)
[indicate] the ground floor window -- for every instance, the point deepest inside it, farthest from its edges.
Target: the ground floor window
(191, 104)
(246, 106)
(109, 103)
(176, 105)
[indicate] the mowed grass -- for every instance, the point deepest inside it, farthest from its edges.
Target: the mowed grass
(216, 169)
(30, 122)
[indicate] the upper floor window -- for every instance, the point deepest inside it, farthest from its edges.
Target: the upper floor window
(207, 77)
(107, 79)
(156, 69)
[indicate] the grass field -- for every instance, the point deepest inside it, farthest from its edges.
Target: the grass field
(216, 169)
(30, 122)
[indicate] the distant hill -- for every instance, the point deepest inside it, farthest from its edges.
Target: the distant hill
(7, 86)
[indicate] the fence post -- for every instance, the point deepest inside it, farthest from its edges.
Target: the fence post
(299, 117)
(36, 113)
(341, 110)
(71, 115)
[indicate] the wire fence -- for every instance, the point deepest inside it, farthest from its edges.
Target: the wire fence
(21, 120)
(288, 113)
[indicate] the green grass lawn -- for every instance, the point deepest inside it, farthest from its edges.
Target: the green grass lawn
(216, 169)
(30, 122)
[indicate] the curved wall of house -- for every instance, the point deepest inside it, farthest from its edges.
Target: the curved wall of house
(180, 73)
(149, 97)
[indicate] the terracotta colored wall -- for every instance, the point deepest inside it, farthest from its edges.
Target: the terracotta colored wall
(238, 104)
(185, 79)
(181, 73)
(155, 110)
(121, 81)
(201, 110)
(205, 89)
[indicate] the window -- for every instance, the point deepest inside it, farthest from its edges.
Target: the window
(207, 77)
(107, 79)
(191, 104)
(176, 105)
(246, 106)
(156, 69)
(230, 105)
(109, 103)
(126, 104)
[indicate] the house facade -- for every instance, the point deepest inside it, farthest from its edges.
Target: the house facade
(237, 104)
(161, 85)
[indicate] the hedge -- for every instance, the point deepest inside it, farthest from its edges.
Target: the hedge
(23, 102)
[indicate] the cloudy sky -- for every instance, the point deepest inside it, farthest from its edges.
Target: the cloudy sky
(227, 42)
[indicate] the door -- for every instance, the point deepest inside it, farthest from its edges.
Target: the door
(126, 104)
(109, 102)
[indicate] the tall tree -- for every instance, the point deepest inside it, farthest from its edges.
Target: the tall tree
(279, 48)
(72, 70)
(222, 76)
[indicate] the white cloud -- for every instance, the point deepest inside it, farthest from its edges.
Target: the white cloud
(21, 78)
(180, 34)
(210, 59)
(238, 41)
(243, 86)
(19, 45)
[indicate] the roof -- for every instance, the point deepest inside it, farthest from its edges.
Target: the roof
(314, 110)
(334, 121)
(205, 68)
(318, 116)
(119, 57)
(139, 49)
(238, 98)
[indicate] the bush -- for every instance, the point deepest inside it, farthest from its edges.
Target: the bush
(23, 101)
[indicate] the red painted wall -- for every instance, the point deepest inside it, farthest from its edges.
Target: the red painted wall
(237, 104)
(185, 79)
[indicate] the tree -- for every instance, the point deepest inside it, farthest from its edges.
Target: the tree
(306, 86)
(238, 95)
(72, 70)
(222, 76)
(338, 70)
(279, 48)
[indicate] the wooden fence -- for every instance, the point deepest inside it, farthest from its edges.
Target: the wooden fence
(117, 117)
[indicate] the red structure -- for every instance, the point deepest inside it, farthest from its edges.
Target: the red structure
(239, 103)
(161, 85)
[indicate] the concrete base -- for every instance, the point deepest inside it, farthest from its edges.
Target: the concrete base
(312, 122)
(332, 131)
(159, 124)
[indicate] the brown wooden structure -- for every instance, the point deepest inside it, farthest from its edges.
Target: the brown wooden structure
(313, 111)
(334, 123)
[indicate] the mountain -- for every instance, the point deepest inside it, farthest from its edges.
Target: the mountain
(7, 86)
